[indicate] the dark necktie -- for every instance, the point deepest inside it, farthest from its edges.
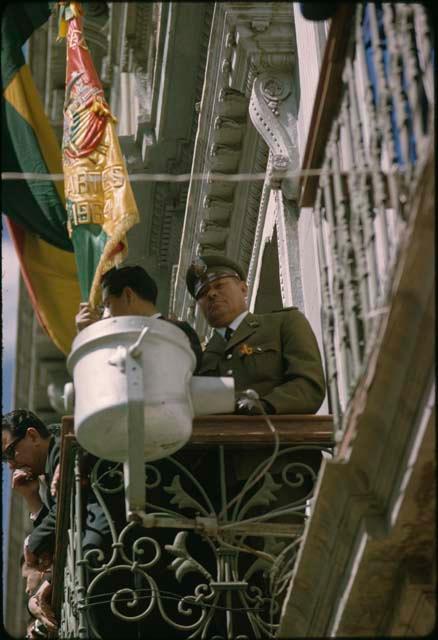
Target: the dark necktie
(228, 333)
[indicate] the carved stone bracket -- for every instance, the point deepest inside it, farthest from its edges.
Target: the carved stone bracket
(226, 66)
(218, 216)
(224, 159)
(274, 91)
(232, 104)
(230, 39)
(213, 238)
(228, 132)
(271, 110)
(260, 25)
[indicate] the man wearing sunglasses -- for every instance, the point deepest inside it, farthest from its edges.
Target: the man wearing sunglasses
(32, 453)
(28, 450)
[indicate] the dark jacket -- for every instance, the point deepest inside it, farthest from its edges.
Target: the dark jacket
(42, 537)
(193, 339)
(277, 355)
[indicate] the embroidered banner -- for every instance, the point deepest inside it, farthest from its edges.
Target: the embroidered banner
(100, 203)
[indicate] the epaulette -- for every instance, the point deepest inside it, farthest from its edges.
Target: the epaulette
(285, 309)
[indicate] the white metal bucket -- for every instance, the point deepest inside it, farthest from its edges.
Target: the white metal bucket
(116, 380)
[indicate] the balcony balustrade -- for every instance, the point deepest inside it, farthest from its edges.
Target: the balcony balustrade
(226, 518)
(371, 135)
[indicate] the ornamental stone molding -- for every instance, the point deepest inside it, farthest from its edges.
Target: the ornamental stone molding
(218, 216)
(136, 24)
(273, 114)
(135, 41)
(223, 158)
(228, 131)
(274, 91)
(232, 104)
(213, 239)
(261, 37)
(167, 86)
(247, 41)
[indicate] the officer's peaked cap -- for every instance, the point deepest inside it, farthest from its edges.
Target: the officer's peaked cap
(207, 268)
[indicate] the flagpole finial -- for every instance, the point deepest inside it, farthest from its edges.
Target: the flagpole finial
(66, 12)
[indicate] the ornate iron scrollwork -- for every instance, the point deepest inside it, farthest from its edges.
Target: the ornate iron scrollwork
(221, 567)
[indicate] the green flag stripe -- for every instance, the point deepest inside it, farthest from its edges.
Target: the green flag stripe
(89, 241)
(19, 21)
(21, 152)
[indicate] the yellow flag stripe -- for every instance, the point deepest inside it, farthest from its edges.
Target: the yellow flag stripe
(53, 276)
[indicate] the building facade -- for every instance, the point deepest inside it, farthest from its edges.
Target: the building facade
(308, 151)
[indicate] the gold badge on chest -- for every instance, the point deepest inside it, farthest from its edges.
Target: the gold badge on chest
(246, 349)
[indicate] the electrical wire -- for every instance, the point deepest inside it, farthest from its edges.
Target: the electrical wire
(245, 548)
(209, 177)
(262, 518)
(254, 396)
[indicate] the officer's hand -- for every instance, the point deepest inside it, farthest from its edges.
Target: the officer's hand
(24, 483)
(86, 316)
(247, 407)
(40, 607)
(248, 403)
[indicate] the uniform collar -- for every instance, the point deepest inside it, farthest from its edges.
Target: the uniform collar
(246, 328)
(235, 324)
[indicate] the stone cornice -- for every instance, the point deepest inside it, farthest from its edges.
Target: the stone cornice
(170, 199)
(168, 86)
(261, 37)
(247, 39)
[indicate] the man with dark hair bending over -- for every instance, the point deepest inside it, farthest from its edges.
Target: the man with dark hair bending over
(130, 291)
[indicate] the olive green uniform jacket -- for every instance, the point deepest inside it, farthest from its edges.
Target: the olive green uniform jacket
(277, 355)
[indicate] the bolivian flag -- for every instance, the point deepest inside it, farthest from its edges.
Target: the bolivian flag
(99, 199)
(35, 208)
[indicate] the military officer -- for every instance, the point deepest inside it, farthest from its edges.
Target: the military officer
(275, 354)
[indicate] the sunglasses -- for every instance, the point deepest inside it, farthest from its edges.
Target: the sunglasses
(9, 453)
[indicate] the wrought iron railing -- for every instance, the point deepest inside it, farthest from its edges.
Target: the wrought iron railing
(370, 136)
(227, 518)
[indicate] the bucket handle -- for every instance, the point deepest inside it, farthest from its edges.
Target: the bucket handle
(135, 349)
